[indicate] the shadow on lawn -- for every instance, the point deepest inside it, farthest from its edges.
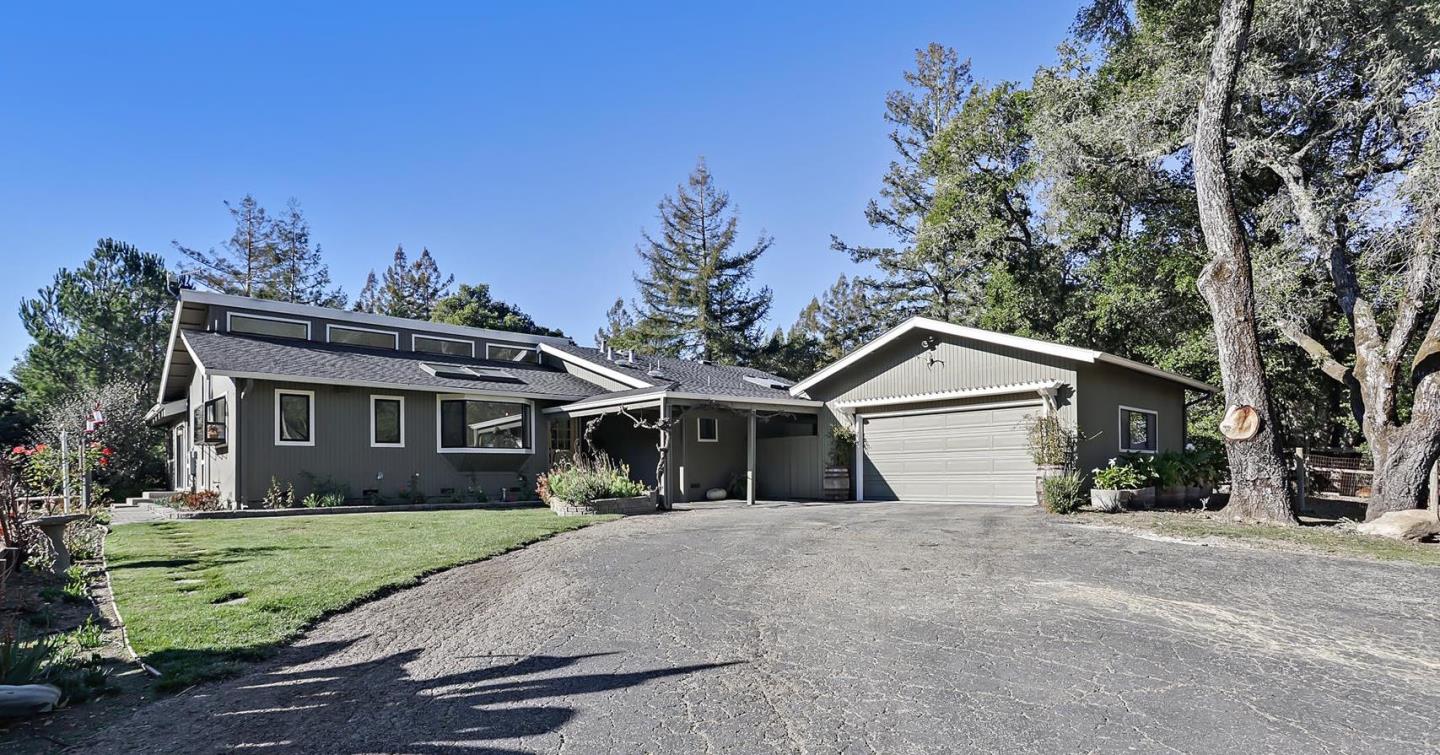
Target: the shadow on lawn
(376, 706)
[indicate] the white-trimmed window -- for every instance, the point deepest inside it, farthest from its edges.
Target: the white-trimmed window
(468, 424)
(1139, 430)
(367, 337)
(455, 347)
(707, 430)
(265, 325)
(294, 417)
(387, 421)
(506, 352)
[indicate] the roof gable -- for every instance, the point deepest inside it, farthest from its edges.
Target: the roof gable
(1020, 343)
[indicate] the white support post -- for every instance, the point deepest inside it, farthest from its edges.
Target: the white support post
(859, 457)
(750, 461)
(65, 468)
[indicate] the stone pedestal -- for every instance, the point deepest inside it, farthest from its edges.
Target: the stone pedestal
(54, 528)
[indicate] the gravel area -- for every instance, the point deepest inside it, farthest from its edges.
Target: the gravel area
(848, 628)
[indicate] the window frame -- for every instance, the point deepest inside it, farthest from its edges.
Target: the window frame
(394, 335)
(230, 328)
(534, 352)
(310, 398)
(414, 336)
(700, 430)
(441, 398)
(223, 420)
(383, 397)
(1124, 435)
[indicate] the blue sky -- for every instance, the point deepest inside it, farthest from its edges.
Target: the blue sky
(525, 144)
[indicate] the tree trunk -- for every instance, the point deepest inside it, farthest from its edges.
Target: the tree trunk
(1258, 491)
(1405, 453)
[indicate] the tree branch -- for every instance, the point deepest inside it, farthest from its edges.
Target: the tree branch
(1328, 363)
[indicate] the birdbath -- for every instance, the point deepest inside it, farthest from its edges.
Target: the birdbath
(54, 528)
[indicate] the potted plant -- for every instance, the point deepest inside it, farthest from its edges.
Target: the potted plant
(1114, 485)
(836, 480)
(1052, 447)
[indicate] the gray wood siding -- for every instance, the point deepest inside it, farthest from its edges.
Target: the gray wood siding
(788, 467)
(1105, 388)
(342, 447)
(709, 465)
(608, 384)
(905, 367)
(215, 467)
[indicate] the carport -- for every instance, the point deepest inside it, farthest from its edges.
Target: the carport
(688, 443)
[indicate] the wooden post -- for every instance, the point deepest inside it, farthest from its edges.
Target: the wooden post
(662, 481)
(1301, 480)
(1434, 497)
(750, 459)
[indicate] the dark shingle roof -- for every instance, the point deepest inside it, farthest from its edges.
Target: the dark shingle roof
(686, 376)
(310, 360)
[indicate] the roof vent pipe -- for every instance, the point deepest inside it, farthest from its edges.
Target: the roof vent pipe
(630, 356)
(601, 343)
(610, 353)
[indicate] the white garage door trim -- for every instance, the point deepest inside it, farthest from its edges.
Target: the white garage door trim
(860, 418)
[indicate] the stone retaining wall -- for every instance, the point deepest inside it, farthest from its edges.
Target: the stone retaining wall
(623, 506)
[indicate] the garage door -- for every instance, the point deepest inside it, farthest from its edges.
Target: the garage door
(957, 456)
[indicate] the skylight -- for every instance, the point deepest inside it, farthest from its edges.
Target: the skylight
(465, 372)
(765, 382)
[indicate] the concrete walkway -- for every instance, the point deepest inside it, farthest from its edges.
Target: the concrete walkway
(849, 628)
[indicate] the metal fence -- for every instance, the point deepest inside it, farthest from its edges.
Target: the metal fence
(1336, 473)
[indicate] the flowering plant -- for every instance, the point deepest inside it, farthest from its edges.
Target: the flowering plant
(1116, 476)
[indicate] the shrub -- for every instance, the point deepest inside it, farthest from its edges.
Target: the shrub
(83, 539)
(842, 445)
(277, 497)
(199, 500)
(1064, 493)
(27, 661)
(89, 635)
(589, 479)
(1171, 469)
(317, 501)
(1117, 476)
(1051, 443)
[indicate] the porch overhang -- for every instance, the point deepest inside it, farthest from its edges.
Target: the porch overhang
(650, 399)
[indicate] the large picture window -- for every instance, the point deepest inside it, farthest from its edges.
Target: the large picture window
(482, 425)
(1138, 430)
(387, 421)
(294, 418)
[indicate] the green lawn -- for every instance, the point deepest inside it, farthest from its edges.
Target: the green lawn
(201, 597)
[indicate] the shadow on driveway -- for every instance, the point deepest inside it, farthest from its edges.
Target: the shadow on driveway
(376, 706)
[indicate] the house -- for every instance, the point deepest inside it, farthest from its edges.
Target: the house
(254, 390)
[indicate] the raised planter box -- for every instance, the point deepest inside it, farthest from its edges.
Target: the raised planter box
(169, 513)
(623, 506)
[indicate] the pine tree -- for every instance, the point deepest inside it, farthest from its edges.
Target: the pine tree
(622, 331)
(246, 263)
(300, 274)
(406, 289)
(369, 298)
(695, 298)
(915, 277)
(106, 321)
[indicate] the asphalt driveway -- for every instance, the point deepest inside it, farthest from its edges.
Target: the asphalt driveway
(849, 628)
